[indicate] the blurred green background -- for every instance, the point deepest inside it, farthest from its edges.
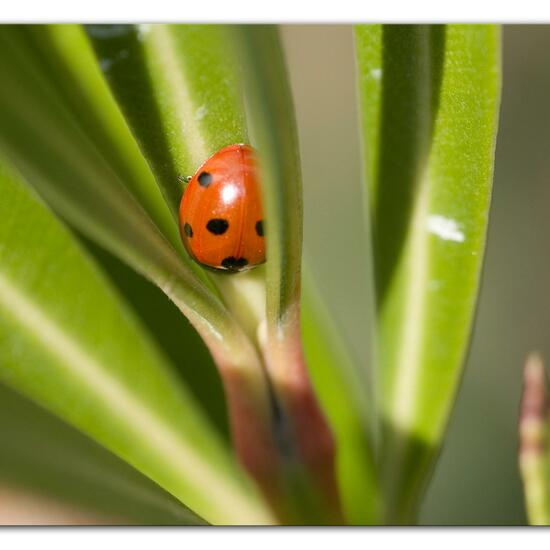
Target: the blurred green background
(476, 480)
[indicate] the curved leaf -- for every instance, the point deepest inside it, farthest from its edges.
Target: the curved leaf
(274, 130)
(67, 342)
(66, 61)
(58, 153)
(302, 427)
(49, 146)
(171, 332)
(429, 98)
(178, 89)
(47, 457)
(340, 385)
(183, 76)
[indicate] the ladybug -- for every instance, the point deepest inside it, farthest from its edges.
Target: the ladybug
(220, 217)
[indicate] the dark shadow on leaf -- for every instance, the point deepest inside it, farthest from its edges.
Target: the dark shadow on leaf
(172, 333)
(411, 81)
(122, 59)
(406, 478)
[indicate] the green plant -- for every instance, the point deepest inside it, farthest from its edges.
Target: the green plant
(534, 459)
(97, 124)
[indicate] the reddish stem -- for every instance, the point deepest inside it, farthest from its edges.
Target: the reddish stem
(310, 433)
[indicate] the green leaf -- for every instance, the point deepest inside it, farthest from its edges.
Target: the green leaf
(171, 332)
(67, 62)
(340, 383)
(73, 469)
(429, 97)
(178, 89)
(68, 342)
(273, 127)
(534, 432)
(183, 77)
(61, 155)
(309, 474)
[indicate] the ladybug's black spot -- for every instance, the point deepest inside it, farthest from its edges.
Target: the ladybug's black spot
(234, 264)
(188, 230)
(260, 228)
(218, 226)
(205, 179)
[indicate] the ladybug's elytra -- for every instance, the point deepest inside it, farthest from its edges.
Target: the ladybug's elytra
(221, 217)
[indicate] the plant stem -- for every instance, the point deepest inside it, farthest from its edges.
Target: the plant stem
(305, 442)
(533, 433)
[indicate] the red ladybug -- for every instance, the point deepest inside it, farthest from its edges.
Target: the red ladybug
(221, 217)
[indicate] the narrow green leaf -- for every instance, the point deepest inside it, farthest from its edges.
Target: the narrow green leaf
(183, 76)
(429, 97)
(60, 158)
(67, 341)
(180, 92)
(274, 130)
(171, 332)
(178, 89)
(310, 474)
(340, 385)
(45, 456)
(67, 61)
